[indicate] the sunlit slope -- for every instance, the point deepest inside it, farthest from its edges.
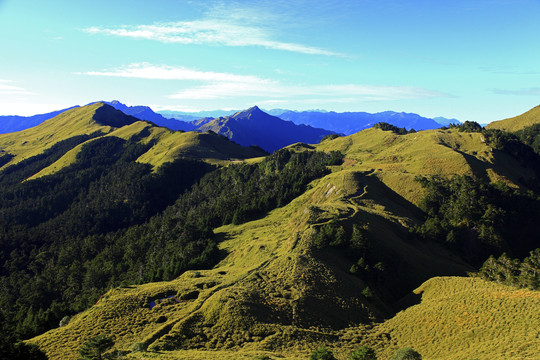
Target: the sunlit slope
(468, 318)
(269, 291)
(519, 122)
(78, 121)
(166, 146)
(398, 159)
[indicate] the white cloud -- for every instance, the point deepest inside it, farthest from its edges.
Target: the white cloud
(23, 107)
(209, 31)
(165, 72)
(217, 85)
(342, 93)
(6, 88)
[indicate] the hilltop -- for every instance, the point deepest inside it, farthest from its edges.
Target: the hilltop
(519, 122)
(13, 123)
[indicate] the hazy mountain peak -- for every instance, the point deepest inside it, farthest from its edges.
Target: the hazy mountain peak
(252, 111)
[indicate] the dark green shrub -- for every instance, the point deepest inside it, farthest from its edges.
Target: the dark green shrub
(322, 353)
(364, 353)
(94, 348)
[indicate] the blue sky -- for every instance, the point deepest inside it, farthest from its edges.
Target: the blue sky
(472, 60)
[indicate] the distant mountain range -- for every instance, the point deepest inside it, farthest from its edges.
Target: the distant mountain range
(13, 123)
(445, 121)
(346, 123)
(255, 127)
(190, 116)
(147, 114)
(188, 243)
(351, 122)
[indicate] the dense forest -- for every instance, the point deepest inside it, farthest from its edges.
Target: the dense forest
(99, 223)
(521, 273)
(478, 218)
(530, 136)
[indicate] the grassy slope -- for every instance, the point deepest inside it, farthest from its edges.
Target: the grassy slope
(397, 159)
(268, 292)
(33, 141)
(519, 122)
(465, 318)
(168, 145)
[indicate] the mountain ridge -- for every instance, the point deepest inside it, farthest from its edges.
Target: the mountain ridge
(351, 122)
(519, 122)
(107, 121)
(255, 127)
(147, 114)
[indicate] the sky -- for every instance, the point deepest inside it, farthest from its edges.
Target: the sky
(465, 59)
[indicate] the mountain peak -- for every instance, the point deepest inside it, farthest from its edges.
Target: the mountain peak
(252, 111)
(107, 115)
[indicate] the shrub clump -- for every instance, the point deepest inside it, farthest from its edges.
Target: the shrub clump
(406, 354)
(322, 353)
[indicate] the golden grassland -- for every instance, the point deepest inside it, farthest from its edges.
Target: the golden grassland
(519, 122)
(274, 293)
(467, 318)
(398, 159)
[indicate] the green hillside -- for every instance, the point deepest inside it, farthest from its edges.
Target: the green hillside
(86, 120)
(397, 159)
(519, 122)
(268, 292)
(343, 246)
(468, 318)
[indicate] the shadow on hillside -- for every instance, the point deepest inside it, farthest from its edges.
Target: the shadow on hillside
(391, 200)
(478, 167)
(407, 301)
(221, 254)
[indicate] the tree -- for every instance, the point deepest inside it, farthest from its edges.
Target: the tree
(406, 354)
(364, 353)
(322, 353)
(20, 351)
(94, 348)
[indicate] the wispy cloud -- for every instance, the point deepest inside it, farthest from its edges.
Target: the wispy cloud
(211, 32)
(165, 72)
(217, 85)
(335, 93)
(532, 91)
(6, 87)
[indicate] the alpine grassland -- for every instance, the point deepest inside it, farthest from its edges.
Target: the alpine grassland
(519, 122)
(469, 318)
(338, 246)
